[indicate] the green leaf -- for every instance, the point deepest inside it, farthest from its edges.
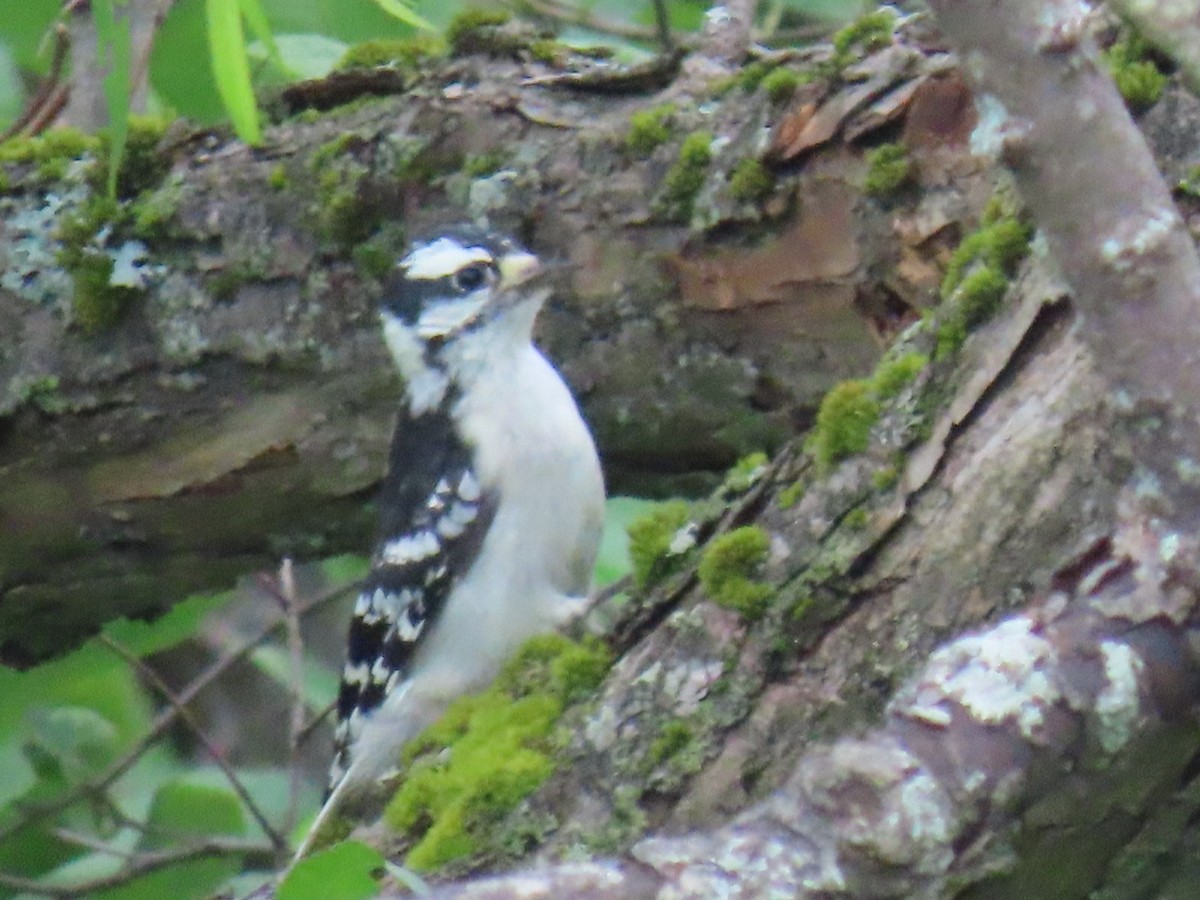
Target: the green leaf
(404, 14)
(343, 872)
(79, 740)
(183, 810)
(114, 51)
(253, 13)
(174, 627)
(231, 67)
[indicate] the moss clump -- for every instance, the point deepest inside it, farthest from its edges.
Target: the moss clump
(727, 565)
(979, 296)
(277, 178)
(844, 422)
(882, 479)
(673, 738)
(550, 52)
(685, 179)
(977, 277)
(1000, 244)
(484, 164)
(551, 662)
(781, 83)
(893, 375)
(404, 53)
(857, 519)
(869, 33)
(650, 541)
(1188, 185)
(791, 494)
(489, 751)
(745, 472)
(750, 181)
(153, 210)
(142, 165)
(466, 32)
(648, 128)
(51, 152)
(752, 74)
(96, 303)
(1136, 76)
(888, 169)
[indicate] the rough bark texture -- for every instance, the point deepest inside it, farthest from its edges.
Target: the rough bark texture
(1050, 752)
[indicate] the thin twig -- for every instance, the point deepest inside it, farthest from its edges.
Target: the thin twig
(295, 641)
(144, 864)
(164, 721)
(185, 714)
(662, 23)
(51, 93)
(311, 726)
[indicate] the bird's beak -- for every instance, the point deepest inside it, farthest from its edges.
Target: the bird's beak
(517, 268)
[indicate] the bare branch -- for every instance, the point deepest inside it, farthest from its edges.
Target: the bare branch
(164, 721)
(278, 840)
(145, 864)
(291, 606)
(1049, 108)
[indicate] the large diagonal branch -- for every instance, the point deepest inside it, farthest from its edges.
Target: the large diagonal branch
(1008, 740)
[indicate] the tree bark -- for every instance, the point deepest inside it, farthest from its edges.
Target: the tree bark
(1050, 751)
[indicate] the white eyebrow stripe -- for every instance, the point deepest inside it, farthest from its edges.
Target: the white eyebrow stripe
(443, 257)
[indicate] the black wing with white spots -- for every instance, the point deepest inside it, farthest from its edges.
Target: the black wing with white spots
(433, 516)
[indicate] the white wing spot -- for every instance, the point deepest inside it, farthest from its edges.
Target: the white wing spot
(408, 631)
(449, 529)
(410, 548)
(355, 674)
(468, 488)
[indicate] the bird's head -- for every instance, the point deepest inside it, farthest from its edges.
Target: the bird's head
(458, 297)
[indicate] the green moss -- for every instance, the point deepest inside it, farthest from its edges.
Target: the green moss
(463, 32)
(726, 567)
(333, 150)
(650, 539)
(277, 178)
(856, 519)
(1002, 245)
(1136, 76)
(648, 128)
(752, 74)
(979, 296)
(50, 152)
(869, 33)
(893, 375)
(550, 52)
(153, 210)
(977, 277)
(685, 179)
(791, 494)
(96, 303)
(483, 164)
(844, 422)
(888, 169)
(489, 751)
(404, 53)
(673, 738)
(750, 181)
(45, 395)
(142, 165)
(1189, 184)
(745, 472)
(882, 479)
(557, 665)
(781, 83)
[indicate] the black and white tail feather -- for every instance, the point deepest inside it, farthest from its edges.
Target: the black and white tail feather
(490, 513)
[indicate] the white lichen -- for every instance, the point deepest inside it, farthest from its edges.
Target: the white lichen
(996, 677)
(1118, 706)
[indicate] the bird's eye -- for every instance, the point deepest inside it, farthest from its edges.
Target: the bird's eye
(471, 278)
